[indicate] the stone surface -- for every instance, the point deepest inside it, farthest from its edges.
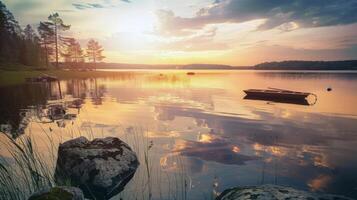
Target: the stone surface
(101, 168)
(59, 193)
(274, 192)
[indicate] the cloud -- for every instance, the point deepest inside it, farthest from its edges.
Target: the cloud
(83, 6)
(203, 41)
(65, 10)
(96, 5)
(287, 15)
(216, 149)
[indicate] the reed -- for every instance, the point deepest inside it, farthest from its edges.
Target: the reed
(25, 171)
(151, 179)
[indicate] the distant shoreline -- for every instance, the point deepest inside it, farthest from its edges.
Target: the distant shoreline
(344, 65)
(308, 65)
(282, 65)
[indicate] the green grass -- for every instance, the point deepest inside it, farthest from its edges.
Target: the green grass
(18, 67)
(15, 77)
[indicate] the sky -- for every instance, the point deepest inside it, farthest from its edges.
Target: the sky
(233, 32)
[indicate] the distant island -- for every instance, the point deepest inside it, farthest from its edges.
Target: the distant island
(308, 65)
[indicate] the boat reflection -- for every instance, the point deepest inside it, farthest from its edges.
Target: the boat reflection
(303, 102)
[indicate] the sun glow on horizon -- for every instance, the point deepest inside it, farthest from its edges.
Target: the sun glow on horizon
(177, 32)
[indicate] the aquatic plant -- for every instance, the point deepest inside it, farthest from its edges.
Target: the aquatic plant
(151, 179)
(25, 171)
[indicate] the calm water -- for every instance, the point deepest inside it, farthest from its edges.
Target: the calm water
(206, 137)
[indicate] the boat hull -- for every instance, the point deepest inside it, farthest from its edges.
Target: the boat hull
(303, 102)
(281, 95)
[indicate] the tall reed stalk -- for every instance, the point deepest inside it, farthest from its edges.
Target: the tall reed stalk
(25, 171)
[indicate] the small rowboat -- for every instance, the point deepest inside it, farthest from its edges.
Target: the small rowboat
(274, 93)
(303, 102)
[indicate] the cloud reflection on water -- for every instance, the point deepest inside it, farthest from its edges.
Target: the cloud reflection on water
(217, 132)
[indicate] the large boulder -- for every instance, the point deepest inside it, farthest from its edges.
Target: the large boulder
(59, 193)
(274, 192)
(101, 168)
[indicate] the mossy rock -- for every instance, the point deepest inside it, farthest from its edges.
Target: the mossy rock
(274, 192)
(59, 193)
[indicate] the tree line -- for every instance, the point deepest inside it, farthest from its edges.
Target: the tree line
(308, 65)
(45, 47)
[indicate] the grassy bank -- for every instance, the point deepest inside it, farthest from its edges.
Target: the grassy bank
(17, 74)
(18, 77)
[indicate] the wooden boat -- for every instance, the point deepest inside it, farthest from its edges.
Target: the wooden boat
(274, 93)
(303, 102)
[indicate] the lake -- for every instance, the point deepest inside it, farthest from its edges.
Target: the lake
(204, 136)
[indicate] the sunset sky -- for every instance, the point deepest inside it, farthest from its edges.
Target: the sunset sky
(234, 32)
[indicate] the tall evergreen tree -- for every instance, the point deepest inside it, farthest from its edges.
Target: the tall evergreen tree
(72, 51)
(57, 24)
(29, 33)
(32, 52)
(94, 52)
(47, 40)
(17, 45)
(8, 21)
(10, 36)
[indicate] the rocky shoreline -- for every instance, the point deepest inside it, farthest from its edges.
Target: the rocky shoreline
(100, 169)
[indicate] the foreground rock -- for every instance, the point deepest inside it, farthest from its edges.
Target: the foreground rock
(101, 168)
(59, 193)
(273, 192)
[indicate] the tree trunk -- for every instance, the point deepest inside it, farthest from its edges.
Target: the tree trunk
(95, 64)
(56, 41)
(46, 51)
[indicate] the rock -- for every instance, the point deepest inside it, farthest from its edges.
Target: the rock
(274, 192)
(56, 112)
(59, 193)
(101, 168)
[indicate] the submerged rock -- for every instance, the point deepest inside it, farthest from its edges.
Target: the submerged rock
(101, 168)
(59, 193)
(274, 192)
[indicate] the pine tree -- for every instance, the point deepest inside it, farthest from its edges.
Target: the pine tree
(17, 45)
(29, 33)
(94, 52)
(32, 48)
(57, 24)
(10, 36)
(8, 21)
(47, 40)
(72, 53)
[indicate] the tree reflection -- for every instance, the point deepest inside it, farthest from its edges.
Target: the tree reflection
(52, 102)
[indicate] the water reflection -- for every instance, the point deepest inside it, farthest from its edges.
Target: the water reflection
(302, 102)
(15, 103)
(50, 102)
(205, 120)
